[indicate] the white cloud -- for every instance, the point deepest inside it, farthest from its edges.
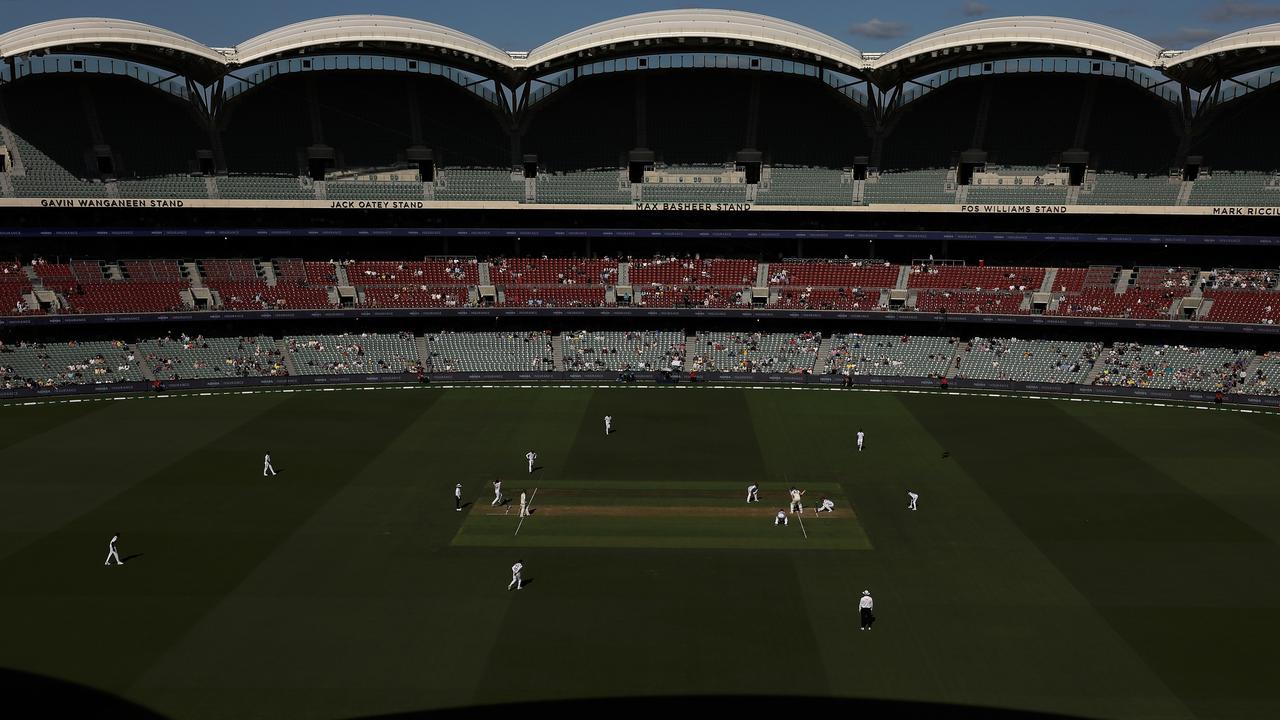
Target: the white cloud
(1232, 10)
(879, 29)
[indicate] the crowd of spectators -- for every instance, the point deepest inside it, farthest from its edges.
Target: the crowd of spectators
(1232, 279)
(1175, 367)
(189, 356)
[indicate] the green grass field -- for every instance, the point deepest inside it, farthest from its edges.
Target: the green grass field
(1096, 560)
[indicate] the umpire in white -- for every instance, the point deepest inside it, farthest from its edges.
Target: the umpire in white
(866, 607)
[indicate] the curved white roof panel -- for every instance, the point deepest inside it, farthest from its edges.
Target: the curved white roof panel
(102, 31)
(350, 29)
(1258, 38)
(728, 25)
(1029, 30)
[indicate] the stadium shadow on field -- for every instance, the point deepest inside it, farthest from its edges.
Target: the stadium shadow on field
(26, 695)
(736, 705)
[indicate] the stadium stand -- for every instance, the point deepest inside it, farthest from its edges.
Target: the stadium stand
(1173, 367)
(694, 192)
(630, 350)
(472, 183)
(1015, 194)
(807, 186)
(206, 358)
(14, 286)
(888, 355)
(556, 296)
(834, 273)
(140, 286)
(70, 363)
(811, 298)
(415, 296)
(1119, 189)
(676, 271)
(261, 296)
(553, 271)
(353, 354)
(186, 357)
(969, 277)
(585, 187)
(488, 352)
(1265, 379)
(455, 271)
(1002, 302)
(384, 190)
(754, 352)
(264, 188)
(910, 187)
(1027, 360)
(1236, 188)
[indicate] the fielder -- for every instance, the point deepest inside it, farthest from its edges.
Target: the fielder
(827, 505)
(865, 607)
(781, 517)
(497, 492)
(266, 465)
(112, 552)
(608, 424)
(524, 505)
(516, 580)
(911, 500)
(531, 456)
(795, 500)
(457, 497)
(753, 493)
(861, 436)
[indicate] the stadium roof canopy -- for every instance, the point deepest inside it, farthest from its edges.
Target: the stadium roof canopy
(671, 31)
(375, 34)
(1025, 36)
(694, 31)
(122, 39)
(1230, 55)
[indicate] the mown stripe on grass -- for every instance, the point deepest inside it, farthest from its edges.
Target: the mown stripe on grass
(199, 536)
(1109, 521)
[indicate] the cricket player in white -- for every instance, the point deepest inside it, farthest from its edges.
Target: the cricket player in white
(457, 497)
(753, 493)
(781, 517)
(861, 436)
(531, 456)
(608, 424)
(497, 493)
(865, 608)
(827, 505)
(795, 500)
(111, 551)
(912, 498)
(524, 504)
(266, 465)
(516, 580)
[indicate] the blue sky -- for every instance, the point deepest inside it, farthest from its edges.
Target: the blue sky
(524, 24)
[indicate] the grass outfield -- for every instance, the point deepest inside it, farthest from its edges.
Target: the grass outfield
(1098, 560)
